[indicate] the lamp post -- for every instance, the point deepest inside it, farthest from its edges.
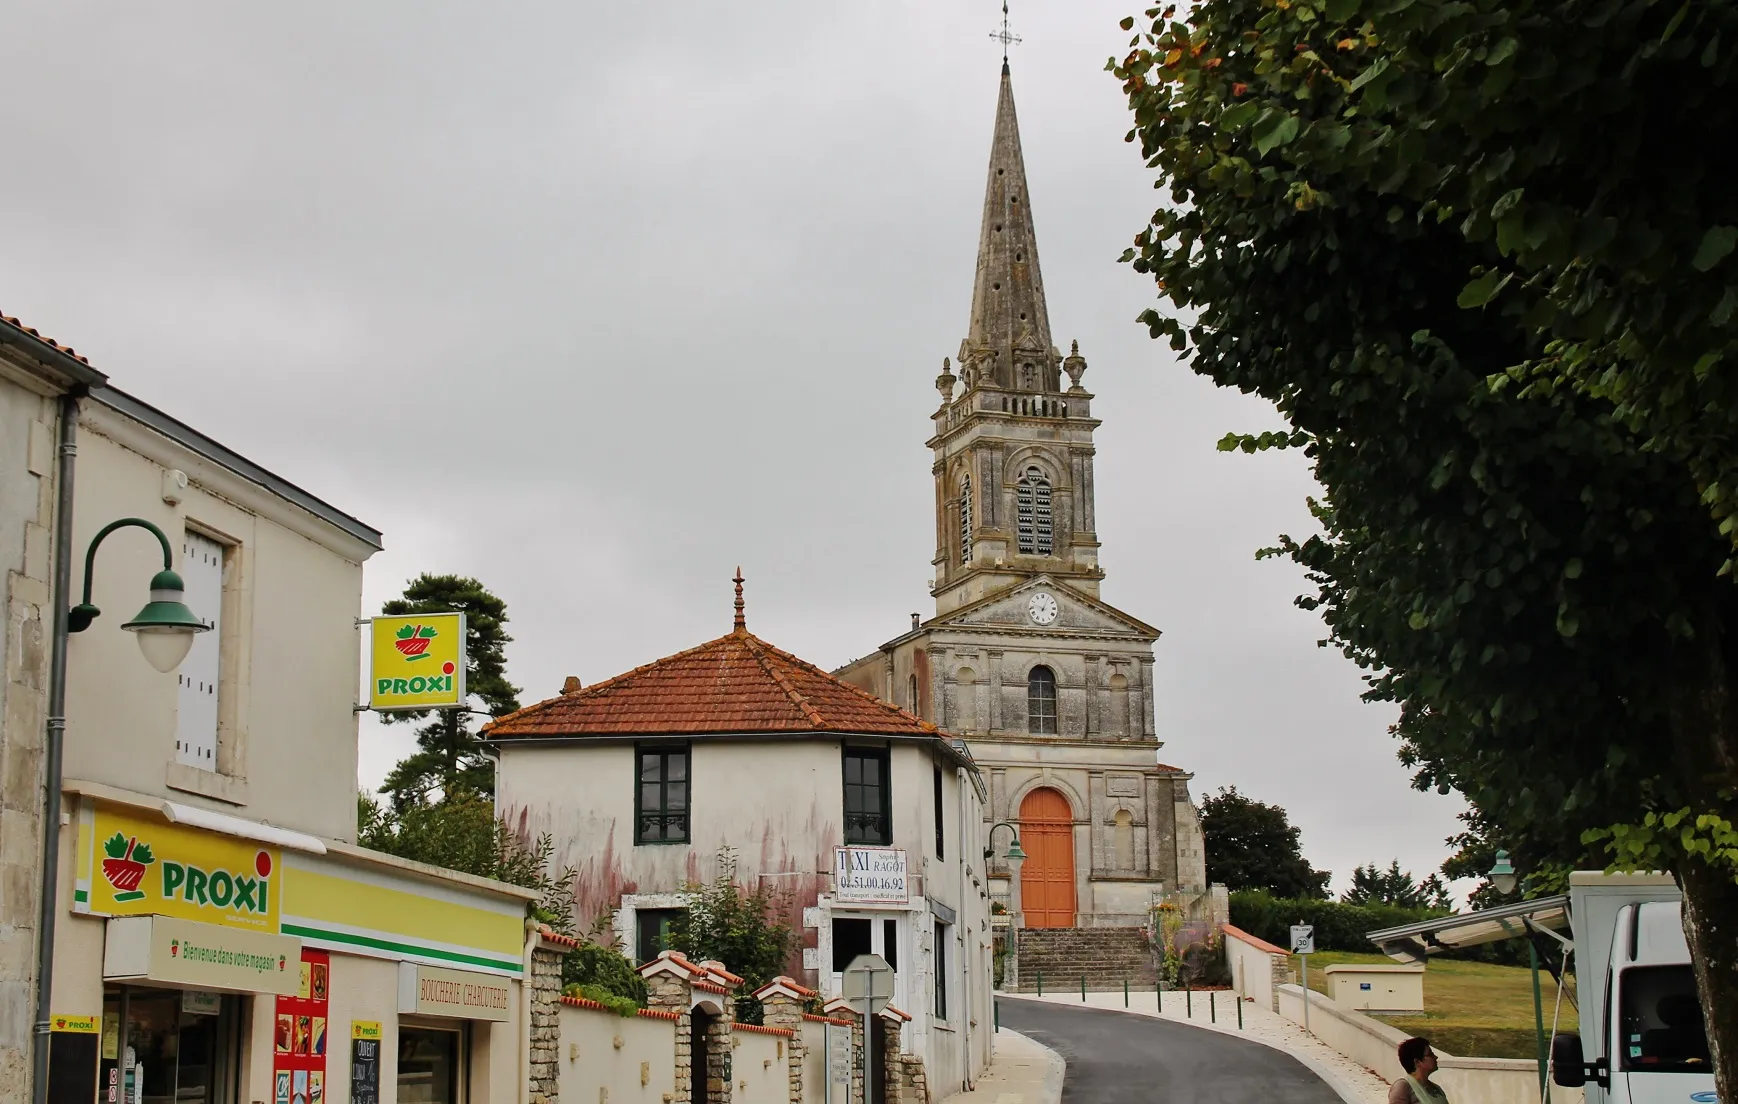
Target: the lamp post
(1503, 879)
(165, 628)
(1015, 856)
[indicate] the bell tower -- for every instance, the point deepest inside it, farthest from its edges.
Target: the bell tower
(1013, 448)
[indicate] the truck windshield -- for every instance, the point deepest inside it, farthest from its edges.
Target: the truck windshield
(1662, 1021)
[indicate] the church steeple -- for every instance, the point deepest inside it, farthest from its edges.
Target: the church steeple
(1013, 446)
(1008, 344)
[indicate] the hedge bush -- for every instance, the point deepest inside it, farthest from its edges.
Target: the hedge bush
(1339, 926)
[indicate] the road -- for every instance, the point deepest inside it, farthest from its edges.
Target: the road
(1115, 1058)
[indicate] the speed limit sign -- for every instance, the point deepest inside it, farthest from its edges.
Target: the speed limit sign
(1303, 939)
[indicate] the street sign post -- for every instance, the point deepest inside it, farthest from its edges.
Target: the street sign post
(868, 985)
(1303, 944)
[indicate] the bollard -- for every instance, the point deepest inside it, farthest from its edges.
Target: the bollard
(1188, 1001)
(1240, 1013)
(1212, 1006)
(998, 1006)
(1040, 982)
(1083, 988)
(1125, 992)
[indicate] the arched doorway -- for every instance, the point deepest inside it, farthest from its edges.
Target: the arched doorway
(1047, 876)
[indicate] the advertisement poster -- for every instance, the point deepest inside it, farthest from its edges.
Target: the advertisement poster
(299, 1051)
(417, 662)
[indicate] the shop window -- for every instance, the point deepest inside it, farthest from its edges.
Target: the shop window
(867, 794)
(428, 1066)
(661, 795)
(652, 932)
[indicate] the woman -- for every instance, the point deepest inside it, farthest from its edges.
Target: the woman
(1419, 1062)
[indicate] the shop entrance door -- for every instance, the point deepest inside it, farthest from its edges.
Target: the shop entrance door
(183, 1047)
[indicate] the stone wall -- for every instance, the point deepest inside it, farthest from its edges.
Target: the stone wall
(544, 1067)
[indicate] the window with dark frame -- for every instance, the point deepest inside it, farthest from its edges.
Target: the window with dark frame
(652, 932)
(941, 971)
(1041, 702)
(867, 795)
(940, 820)
(661, 794)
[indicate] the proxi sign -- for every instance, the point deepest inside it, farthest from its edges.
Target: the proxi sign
(417, 662)
(132, 866)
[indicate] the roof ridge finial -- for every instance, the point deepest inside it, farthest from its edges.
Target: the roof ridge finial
(1005, 37)
(741, 620)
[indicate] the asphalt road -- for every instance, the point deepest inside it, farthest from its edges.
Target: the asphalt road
(1116, 1058)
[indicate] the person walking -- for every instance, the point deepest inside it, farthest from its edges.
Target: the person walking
(1419, 1062)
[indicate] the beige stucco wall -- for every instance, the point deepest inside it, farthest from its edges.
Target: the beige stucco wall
(1256, 967)
(28, 425)
(760, 1068)
(287, 733)
(1392, 988)
(619, 1059)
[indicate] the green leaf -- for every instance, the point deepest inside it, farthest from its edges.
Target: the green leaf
(115, 847)
(142, 854)
(1127, 23)
(1483, 289)
(1716, 243)
(1239, 116)
(1340, 10)
(405, 633)
(1369, 74)
(1278, 134)
(1501, 52)
(1572, 569)
(427, 633)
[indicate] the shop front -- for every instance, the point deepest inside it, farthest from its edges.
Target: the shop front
(233, 963)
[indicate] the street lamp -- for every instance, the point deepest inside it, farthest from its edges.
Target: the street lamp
(1014, 854)
(165, 627)
(1502, 875)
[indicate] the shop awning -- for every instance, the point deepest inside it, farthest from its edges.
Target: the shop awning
(1413, 943)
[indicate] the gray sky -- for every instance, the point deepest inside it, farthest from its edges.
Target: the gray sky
(595, 301)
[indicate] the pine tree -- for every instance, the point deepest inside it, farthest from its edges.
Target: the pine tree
(449, 756)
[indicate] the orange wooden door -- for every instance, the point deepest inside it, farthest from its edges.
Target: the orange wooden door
(1047, 877)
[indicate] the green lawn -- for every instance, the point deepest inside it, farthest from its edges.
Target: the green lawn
(1471, 1009)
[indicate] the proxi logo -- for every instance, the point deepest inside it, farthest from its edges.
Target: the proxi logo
(224, 889)
(124, 861)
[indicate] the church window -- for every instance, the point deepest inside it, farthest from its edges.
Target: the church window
(966, 520)
(1036, 529)
(1041, 702)
(867, 805)
(661, 795)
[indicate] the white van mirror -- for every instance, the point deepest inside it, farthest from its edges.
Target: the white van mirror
(1568, 1064)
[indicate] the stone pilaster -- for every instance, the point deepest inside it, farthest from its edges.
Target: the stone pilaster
(544, 1071)
(669, 988)
(783, 1000)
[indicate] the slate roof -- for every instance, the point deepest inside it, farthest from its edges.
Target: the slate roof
(736, 684)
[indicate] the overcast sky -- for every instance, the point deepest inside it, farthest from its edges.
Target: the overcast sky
(596, 301)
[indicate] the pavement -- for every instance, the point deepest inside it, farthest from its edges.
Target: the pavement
(1022, 1071)
(1180, 1054)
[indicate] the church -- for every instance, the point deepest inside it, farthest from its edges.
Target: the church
(1050, 686)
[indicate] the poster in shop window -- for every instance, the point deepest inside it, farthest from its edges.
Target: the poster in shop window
(299, 1036)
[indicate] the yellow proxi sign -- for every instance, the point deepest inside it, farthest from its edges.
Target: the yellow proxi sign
(365, 1029)
(82, 1025)
(141, 867)
(417, 662)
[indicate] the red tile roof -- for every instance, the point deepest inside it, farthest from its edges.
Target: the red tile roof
(67, 349)
(736, 684)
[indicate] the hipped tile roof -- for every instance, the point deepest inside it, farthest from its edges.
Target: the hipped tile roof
(736, 684)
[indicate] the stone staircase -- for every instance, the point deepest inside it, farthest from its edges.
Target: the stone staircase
(1105, 957)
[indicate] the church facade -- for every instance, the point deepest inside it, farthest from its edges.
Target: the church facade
(1050, 686)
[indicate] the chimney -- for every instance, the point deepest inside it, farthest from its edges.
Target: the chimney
(571, 686)
(915, 618)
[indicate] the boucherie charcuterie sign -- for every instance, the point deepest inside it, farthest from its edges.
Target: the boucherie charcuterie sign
(432, 991)
(870, 875)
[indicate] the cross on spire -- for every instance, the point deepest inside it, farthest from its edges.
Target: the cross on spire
(741, 620)
(1006, 37)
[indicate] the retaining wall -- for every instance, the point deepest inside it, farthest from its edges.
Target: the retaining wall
(618, 1059)
(1258, 968)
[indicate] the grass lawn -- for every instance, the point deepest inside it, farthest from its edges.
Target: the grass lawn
(1472, 1009)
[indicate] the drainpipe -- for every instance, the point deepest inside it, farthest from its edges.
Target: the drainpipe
(48, 910)
(964, 966)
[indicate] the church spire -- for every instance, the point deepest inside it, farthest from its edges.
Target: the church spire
(1009, 342)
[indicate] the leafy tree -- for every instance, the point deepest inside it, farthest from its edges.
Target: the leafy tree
(1529, 570)
(738, 928)
(1253, 845)
(1373, 885)
(449, 754)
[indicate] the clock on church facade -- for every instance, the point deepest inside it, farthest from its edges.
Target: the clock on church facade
(1050, 686)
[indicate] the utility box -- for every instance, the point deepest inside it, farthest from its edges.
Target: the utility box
(1377, 988)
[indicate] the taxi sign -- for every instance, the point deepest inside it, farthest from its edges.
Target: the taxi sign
(417, 662)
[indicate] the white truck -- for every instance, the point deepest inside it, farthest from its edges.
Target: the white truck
(1642, 1038)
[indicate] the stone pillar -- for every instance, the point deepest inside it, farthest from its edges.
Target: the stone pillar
(840, 1009)
(892, 1065)
(669, 988)
(543, 1069)
(783, 1000)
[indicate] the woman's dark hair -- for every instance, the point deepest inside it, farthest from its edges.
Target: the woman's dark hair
(1411, 1051)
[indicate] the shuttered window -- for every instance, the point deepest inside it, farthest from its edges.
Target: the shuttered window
(201, 672)
(966, 520)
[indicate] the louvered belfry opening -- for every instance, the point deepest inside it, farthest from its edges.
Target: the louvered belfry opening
(1036, 521)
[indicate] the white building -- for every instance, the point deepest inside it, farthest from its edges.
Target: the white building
(644, 778)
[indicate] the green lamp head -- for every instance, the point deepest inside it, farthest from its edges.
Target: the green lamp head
(1015, 854)
(165, 626)
(1502, 875)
